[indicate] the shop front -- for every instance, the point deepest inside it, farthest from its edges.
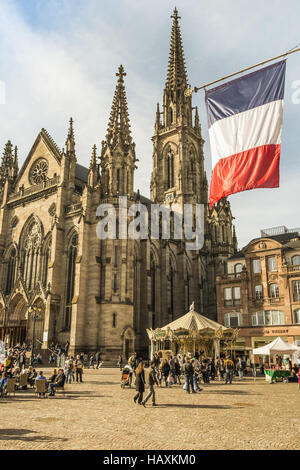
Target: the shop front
(256, 337)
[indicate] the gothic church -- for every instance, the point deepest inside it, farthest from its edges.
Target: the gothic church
(58, 277)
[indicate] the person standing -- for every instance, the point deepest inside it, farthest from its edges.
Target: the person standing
(67, 345)
(120, 362)
(177, 370)
(98, 359)
(196, 366)
(69, 370)
(172, 368)
(229, 366)
(78, 368)
(152, 381)
(132, 361)
(239, 368)
(188, 371)
(91, 361)
(139, 383)
(165, 369)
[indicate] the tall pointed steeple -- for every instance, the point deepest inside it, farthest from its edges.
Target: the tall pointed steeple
(177, 107)
(93, 174)
(9, 163)
(177, 76)
(70, 142)
(118, 150)
(118, 130)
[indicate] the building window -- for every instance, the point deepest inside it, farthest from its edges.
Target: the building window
(233, 320)
(296, 260)
(116, 257)
(188, 289)
(11, 270)
(297, 315)
(256, 266)
(170, 169)
(296, 291)
(71, 271)
(171, 280)
(227, 296)
(118, 180)
(258, 292)
(272, 264)
(268, 317)
(274, 291)
(114, 320)
(47, 255)
(238, 268)
(115, 285)
(153, 283)
(232, 296)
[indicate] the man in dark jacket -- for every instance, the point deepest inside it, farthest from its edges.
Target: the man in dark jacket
(188, 371)
(152, 381)
(59, 382)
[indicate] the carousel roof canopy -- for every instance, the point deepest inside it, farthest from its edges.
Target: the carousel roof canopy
(194, 320)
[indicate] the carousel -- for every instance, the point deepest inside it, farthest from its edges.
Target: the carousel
(190, 334)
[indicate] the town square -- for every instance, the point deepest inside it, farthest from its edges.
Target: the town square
(98, 415)
(149, 226)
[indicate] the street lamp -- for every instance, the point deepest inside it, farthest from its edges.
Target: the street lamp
(35, 313)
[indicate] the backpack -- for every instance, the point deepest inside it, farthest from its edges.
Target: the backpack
(228, 365)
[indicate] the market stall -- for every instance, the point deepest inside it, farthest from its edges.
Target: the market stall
(192, 333)
(279, 347)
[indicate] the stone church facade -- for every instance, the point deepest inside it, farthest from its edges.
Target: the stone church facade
(57, 276)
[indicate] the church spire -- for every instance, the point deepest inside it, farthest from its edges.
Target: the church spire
(7, 157)
(177, 76)
(9, 164)
(118, 130)
(118, 157)
(70, 142)
(177, 107)
(93, 175)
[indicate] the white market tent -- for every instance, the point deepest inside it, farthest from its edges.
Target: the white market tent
(278, 346)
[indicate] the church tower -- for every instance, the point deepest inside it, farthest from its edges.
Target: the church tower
(117, 162)
(118, 151)
(178, 161)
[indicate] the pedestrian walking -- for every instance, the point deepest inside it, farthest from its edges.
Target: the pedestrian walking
(139, 383)
(152, 380)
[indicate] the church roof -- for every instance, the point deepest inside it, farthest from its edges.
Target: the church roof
(81, 172)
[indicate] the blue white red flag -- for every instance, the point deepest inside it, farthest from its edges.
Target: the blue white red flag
(245, 123)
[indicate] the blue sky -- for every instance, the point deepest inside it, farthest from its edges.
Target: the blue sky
(59, 59)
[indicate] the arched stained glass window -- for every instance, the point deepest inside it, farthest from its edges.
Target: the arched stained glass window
(71, 273)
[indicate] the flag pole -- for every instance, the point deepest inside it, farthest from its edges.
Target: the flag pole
(189, 91)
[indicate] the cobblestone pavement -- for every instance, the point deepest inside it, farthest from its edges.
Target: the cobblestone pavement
(98, 414)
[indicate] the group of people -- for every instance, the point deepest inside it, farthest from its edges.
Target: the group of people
(9, 371)
(59, 355)
(170, 371)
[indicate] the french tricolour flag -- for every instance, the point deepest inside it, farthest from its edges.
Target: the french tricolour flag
(245, 121)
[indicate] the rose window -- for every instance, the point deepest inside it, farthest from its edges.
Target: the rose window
(38, 172)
